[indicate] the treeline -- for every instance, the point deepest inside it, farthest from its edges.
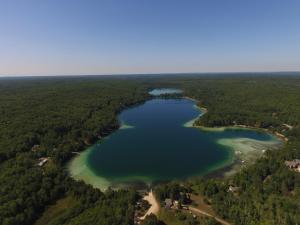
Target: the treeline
(53, 117)
(25, 190)
(60, 114)
(259, 102)
(267, 192)
(264, 101)
(94, 207)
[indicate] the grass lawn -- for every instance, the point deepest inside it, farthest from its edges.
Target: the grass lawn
(169, 217)
(198, 202)
(57, 210)
(172, 217)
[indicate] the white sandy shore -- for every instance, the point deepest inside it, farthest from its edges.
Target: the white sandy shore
(248, 145)
(79, 170)
(247, 150)
(192, 121)
(125, 126)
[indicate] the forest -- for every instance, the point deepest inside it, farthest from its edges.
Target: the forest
(45, 117)
(55, 117)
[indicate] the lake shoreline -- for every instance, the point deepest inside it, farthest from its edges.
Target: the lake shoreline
(96, 181)
(239, 162)
(243, 126)
(229, 167)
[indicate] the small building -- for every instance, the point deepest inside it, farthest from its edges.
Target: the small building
(42, 161)
(233, 189)
(176, 204)
(288, 126)
(168, 203)
(186, 207)
(293, 164)
(35, 148)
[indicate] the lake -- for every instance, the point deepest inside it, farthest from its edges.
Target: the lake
(157, 143)
(161, 91)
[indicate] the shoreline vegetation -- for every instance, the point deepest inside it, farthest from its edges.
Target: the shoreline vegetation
(237, 126)
(245, 150)
(77, 112)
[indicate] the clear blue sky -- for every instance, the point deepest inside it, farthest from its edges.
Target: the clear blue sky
(47, 37)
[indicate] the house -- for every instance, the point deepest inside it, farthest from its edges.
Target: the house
(35, 148)
(293, 164)
(287, 126)
(176, 204)
(186, 207)
(233, 189)
(42, 161)
(168, 203)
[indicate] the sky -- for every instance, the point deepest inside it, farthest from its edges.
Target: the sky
(76, 37)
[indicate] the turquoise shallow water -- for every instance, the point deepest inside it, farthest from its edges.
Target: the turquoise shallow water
(154, 145)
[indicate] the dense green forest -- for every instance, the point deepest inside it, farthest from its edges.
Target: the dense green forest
(260, 101)
(53, 117)
(56, 117)
(269, 193)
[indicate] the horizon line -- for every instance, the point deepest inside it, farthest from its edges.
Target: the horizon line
(145, 74)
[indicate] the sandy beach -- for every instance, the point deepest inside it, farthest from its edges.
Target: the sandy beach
(246, 151)
(154, 208)
(78, 169)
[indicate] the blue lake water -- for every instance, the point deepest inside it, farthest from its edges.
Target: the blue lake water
(161, 91)
(154, 145)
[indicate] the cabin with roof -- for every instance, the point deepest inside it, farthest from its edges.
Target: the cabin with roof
(35, 148)
(233, 189)
(168, 203)
(293, 164)
(42, 161)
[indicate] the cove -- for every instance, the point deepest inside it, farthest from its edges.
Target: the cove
(157, 143)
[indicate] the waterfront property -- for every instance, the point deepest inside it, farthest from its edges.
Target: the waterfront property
(293, 164)
(42, 161)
